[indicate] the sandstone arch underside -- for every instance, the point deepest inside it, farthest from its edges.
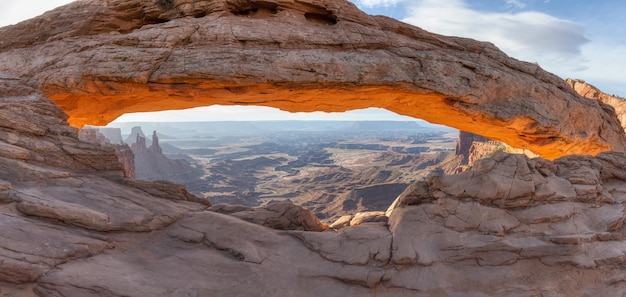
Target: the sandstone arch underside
(100, 59)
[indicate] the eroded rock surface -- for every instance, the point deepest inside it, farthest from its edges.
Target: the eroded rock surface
(72, 225)
(483, 246)
(58, 194)
(278, 215)
(589, 91)
(508, 226)
(100, 59)
(510, 208)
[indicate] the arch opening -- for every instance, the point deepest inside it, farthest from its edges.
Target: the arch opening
(332, 163)
(121, 63)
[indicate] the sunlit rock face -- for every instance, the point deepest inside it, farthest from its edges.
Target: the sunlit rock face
(100, 59)
(589, 91)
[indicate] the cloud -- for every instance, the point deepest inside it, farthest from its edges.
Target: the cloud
(608, 72)
(516, 4)
(531, 36)
(15, 11)
(378, 3)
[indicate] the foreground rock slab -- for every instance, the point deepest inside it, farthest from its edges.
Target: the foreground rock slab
(60, 197)
(100, 59)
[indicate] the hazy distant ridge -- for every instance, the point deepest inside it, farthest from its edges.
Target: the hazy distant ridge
(221, 128)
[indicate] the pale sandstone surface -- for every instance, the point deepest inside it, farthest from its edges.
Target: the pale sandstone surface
(276, 215)
(508, 226)
(57, 194)
(100, 59)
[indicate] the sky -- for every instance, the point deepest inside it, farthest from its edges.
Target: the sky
(581, 39)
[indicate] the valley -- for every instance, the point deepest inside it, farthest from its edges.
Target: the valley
(330, 167)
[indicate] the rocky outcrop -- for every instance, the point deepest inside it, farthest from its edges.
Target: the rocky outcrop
(471, 148)
(277, 215)
(166, 189)
(112, 135)
(100, 59)
(509, 226)
(35, 138)
(126, 156)
(152, 165)
(57, 193)
(570, 243)
(464, 145)
(589, 91)
(513, 211)
(92, 135)
(122, 151)
(135, 134)
(480, 150)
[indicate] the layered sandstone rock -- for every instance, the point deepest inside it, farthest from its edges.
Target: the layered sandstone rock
(510, 208)
(71, 225)
(508, 226)
(99, 59)
(279, 215)
(123, 152)
(125, 156)
(589, 91)
(57, 193)
(464, 145)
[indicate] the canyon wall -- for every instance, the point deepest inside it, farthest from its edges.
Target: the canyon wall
(464, 145)
(123, 152)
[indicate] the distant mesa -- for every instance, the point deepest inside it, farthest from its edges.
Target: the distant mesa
(152, 165)
(101, 135)
(141, 161)
(135, 134)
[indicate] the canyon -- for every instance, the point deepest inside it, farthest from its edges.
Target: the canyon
(333, 168)
(74, 223)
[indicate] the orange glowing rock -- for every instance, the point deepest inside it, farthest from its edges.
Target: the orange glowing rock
(100, 59)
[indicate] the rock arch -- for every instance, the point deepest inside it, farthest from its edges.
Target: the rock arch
(100, 59)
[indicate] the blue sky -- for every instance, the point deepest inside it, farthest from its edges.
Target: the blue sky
(570, 38)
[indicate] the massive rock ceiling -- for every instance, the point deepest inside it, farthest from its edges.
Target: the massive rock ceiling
(100, 59)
